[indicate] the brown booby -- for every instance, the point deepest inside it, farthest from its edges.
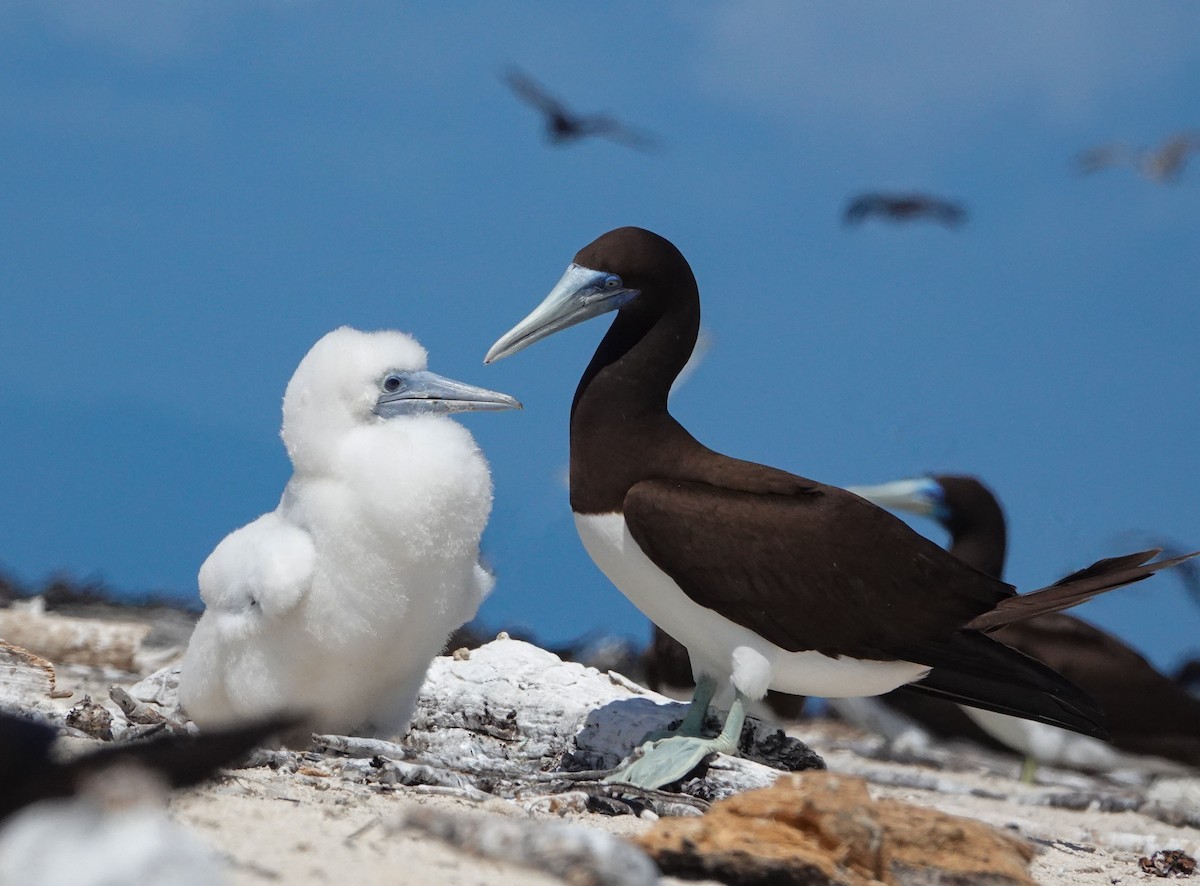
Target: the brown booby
(564, 125)
(769, 579)
(904, 207)
(1147, 713)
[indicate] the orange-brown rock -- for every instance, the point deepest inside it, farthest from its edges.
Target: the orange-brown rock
(821, 828)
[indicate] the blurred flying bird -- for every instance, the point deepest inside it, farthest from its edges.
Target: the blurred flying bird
(564, 125)
(334, 604)
(1105, 157)
(1163, 164)
(903, 208)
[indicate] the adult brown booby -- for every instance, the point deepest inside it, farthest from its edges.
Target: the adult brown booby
(1147, 713)
(769, 579)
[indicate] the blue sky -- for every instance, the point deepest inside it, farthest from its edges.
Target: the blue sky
(195, 191)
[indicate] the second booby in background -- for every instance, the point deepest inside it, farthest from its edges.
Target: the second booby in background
(1148, 714)
(769, 579)
(333, 605)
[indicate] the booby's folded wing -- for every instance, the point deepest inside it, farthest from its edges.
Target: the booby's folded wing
(255, 576)
(828, 571)
(259, 571)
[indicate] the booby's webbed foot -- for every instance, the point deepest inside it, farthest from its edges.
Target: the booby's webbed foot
(669, 760)
(672, 758)
(692, 725)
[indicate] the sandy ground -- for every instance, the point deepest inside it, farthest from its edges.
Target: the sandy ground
(275, 827)
(308, 827)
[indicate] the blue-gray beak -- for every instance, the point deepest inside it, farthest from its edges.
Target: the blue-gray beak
(921, 496)
(580, 295)
(422, 392)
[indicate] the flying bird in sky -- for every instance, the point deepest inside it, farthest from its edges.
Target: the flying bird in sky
(1164, 164)
(904, 208)
(333, 605)
(771, 580)
(564, 125)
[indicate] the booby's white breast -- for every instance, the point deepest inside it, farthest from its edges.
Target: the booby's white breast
(1055, 746)
(720, 647)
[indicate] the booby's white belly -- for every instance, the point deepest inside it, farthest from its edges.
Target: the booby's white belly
(720, 647)
(1055, 746)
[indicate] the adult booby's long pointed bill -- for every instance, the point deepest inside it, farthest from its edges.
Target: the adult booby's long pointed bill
(579, 295)
(423, 392)
(920, 496)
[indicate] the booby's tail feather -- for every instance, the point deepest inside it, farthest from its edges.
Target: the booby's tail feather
(973, 669)
(1101, 576)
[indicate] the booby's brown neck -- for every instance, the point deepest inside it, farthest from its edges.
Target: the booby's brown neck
(978, 535)
(621, 431)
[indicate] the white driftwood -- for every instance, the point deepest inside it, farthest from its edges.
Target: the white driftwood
(67, 640)
(579, 855)
(26, 679)
(514, 702)
(160, 688)
(516, 721)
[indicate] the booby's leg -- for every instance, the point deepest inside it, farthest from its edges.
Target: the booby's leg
(1028, 769)
(672, 758)
(693, 718)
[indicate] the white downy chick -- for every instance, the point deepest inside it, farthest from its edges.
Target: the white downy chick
(334, 604)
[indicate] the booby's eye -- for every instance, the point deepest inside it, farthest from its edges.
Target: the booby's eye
(391, 384)
(612, 281)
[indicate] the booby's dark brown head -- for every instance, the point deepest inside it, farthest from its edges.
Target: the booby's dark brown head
(645, 262)
(621, 430)
(630, 270)
(972, 515)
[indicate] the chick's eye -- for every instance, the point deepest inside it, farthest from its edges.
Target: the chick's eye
(612, 281)
(391, 384)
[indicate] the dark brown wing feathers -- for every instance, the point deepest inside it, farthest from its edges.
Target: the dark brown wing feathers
(972, 668)
(875, 593)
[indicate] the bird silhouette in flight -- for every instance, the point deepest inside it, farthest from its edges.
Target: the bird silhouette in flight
(564, 125)
(1163, 165)
(904, 208)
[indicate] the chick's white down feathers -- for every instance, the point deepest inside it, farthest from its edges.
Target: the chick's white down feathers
(334, 604)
